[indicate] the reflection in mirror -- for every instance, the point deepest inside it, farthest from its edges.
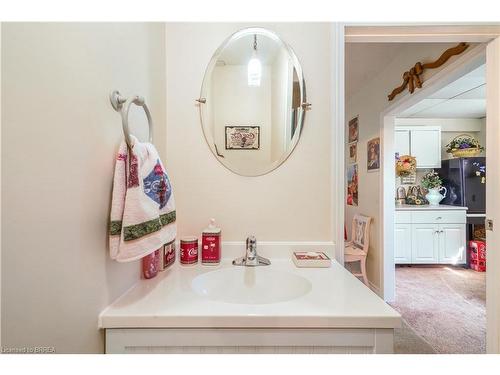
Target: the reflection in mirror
(252, 102)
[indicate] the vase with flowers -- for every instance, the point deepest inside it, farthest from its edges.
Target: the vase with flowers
(433, 183)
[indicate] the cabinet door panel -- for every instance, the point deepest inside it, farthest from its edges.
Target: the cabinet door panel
(402, 142)
(402, 243)
(424, 240)
(425, 145)
(452, 243)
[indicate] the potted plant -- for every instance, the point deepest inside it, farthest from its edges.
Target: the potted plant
(433, 183)
(464, 145)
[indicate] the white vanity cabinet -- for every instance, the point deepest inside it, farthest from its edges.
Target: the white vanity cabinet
(335, 314)
(422, 142)
(429, 235)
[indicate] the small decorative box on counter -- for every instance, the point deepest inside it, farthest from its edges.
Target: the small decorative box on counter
(311, 259)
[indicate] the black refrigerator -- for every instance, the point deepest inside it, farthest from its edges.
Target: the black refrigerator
(465, 180)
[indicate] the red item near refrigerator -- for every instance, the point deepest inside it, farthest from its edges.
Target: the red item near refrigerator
(477, 255)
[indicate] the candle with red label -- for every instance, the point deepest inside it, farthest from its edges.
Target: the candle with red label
(169, 254)
(189, 250)
(210, 244)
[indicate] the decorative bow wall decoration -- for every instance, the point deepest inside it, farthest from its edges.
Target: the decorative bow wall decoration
(412, 77)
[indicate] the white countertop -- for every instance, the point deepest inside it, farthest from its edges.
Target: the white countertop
(336, 300)
(441, 207)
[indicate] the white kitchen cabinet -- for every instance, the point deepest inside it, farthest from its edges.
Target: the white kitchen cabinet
(402, 244)
(451, 243)
(425, 243)
(422, 142)
(425, 145)
(430, 236)
(402, 142)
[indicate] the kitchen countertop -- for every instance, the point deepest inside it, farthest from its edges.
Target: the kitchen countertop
(337, 299)
(409, 207)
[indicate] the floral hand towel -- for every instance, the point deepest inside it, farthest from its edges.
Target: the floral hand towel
(142, 208)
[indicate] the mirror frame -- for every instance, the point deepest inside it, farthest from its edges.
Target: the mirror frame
(304, 105)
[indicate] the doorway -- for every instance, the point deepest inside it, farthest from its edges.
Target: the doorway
(440, 287)
(386, 282)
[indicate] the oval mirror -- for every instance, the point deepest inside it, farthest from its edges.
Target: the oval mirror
(252, 102)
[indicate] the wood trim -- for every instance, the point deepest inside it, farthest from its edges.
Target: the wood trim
(457, 50)
(412, 79)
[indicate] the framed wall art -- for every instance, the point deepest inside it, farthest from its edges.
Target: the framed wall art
(373, 154)
(353, 130)
(352, 185)
(353, 152)
(242, 137)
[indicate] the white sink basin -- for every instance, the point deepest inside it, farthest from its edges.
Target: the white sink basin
(250, 285)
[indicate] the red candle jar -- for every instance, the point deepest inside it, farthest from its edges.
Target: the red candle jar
(189, 250)
(151, 264)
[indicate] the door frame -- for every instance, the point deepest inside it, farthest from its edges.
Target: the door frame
(490, 51)
(466, 62)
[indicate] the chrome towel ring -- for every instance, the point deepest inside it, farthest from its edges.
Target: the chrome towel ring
(123, 104)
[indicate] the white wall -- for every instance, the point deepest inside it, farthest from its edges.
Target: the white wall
(290, 203)
(369, 102)
(59, 139)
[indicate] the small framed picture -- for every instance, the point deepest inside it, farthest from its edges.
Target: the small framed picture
(353, 130)
(352, 185)
(242, 137)
(353, 152)
(373, 154)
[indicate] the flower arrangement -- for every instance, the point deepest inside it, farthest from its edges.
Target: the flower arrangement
(406, 165)
(431, 180)
(464, 145)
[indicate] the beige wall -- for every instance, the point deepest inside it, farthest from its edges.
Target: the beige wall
(59, 138)
(369, 102)
(290, 203)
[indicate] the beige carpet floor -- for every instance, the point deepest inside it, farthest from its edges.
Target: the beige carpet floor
(443, 308)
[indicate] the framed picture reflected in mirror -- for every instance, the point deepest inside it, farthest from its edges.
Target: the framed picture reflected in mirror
(242, 137)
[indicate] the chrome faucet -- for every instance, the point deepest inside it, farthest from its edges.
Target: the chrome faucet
(251, 259)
